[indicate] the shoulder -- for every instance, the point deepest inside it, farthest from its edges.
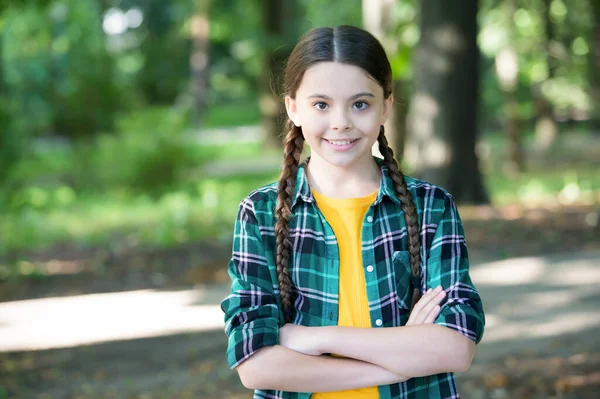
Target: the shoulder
(260, 202)
(429, 197)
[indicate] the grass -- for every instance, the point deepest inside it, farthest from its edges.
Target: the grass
(536, 187)
(195, 211)
(201, 208)
(227, 115)
(567, 172)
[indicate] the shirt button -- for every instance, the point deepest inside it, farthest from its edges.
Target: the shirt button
(378, 322)
(370, 219)
(369, 268)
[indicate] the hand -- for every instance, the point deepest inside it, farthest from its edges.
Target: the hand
(427, 308)
(300, 339)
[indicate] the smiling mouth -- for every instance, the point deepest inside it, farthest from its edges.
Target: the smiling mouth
(340, 142)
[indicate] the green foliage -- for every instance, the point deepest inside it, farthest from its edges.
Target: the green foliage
(163, 44)
(232, 114)
(406, 34)
(84, 93)
(12, 148)
(148, 154)
(192, 211)
(567, 52)
(62, 75)
(58, 73)
(197, 208)
(26, 56)
(331, 13)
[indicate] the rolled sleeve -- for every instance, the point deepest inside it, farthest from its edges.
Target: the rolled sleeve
(448, 266)
(251, 309)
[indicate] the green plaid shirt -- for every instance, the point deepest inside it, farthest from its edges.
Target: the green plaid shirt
(252, 310)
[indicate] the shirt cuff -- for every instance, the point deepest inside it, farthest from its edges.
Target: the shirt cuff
(463, 319)
(243, 342)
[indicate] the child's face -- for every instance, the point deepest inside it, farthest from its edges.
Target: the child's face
(340, 109)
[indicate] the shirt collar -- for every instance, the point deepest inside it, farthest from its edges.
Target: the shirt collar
(303, 192)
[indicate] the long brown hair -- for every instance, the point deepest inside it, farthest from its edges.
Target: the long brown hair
(340, 45)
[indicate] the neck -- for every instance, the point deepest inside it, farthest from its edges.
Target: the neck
(353, 181)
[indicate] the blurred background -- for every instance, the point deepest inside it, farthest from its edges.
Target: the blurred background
(130, 130)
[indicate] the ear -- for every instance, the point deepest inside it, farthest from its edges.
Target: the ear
(292, 110)
(388, 105)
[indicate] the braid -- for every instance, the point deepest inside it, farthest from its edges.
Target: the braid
(293, 145)
(409, 209)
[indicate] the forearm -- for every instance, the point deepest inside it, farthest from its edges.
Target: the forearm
(280, 368)
(414, 351)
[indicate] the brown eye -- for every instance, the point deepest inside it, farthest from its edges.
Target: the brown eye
(361, 105)
(320, 105)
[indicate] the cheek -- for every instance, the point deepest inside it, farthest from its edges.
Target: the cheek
(314, 126)
(312, 136)
(368, 123)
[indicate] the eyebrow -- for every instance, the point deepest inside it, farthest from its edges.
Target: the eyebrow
(354, 97)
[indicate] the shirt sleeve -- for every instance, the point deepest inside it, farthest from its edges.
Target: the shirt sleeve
(251, 309)
(448, 266)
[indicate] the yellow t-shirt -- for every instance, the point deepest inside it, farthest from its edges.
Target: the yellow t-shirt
(345, 216)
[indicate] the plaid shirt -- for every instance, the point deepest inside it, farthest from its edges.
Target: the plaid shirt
(252, 310)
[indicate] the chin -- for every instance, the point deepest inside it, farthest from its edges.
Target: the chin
(343, 160)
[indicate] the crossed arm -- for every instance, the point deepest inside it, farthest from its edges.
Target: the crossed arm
(280, 368)
(287, 358)
(374, 356)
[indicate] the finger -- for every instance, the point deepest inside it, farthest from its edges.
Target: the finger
(432, 315)
(429, 301)
(430, 310)
(426, 299)
(438, 295)
(418, 306)
(415, 314)
(423, 301)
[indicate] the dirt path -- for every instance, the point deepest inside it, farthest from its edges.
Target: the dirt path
(541, 340)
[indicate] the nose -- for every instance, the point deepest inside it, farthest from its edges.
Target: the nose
(340, 121)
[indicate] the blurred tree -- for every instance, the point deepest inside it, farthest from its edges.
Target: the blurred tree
(507, 68)
(378, 18)
(200, 26)
(443, 114)
(58, 74)
(26, 61)
(83, 92)
(594, 63)
(546, 129)
(318, 13)
(555, 70)
(11, 148)
(165, 70)
(236, 53)
(402, 42)
(280, 21)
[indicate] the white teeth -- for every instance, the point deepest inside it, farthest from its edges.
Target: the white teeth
(340, 142)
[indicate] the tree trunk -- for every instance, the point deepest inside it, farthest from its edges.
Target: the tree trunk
(377, 19)
(507, 69)
(515, 163)
(199, 59)
(443, 114)
(546, 129)
(278, 31)
(594, 58)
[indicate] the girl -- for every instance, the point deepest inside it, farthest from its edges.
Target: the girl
(329, 263)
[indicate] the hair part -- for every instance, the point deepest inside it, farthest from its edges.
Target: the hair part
(338, 45)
